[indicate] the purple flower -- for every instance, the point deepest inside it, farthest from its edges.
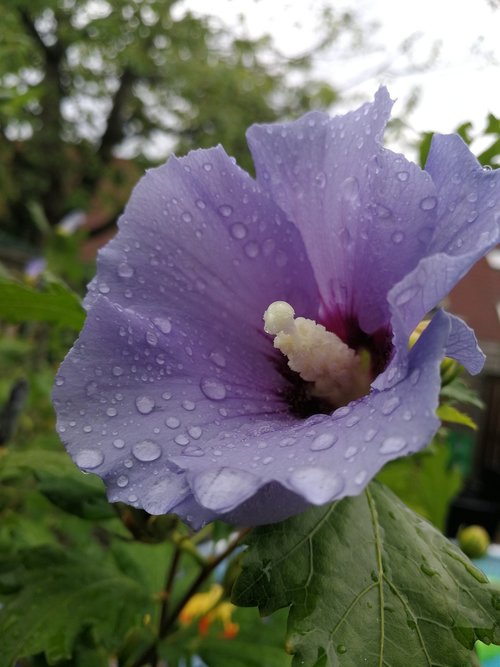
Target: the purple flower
(175, 395)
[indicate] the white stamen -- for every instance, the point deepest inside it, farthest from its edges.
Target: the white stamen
(317, 355)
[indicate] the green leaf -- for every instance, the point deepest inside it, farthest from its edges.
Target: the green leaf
(369, 582)
(59, 595)
(56, 304)
(426, 482)
(448, 413)
(458, 390)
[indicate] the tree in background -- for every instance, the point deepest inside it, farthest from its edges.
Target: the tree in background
(80, 79)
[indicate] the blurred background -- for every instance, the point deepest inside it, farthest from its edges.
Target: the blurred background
(94, 92)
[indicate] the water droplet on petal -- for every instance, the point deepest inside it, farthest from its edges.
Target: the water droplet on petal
(147, 450)
(402, 176)
(350, 452)
(213, 389)
(350, 188)
(267, 460)
(117, 371)
(144, 404)
(59, 381)
(415, 375)
(111, 412)
(89, 458)
(125, 270)
(238, 230)
(225, 210)
(320, 180)
(323, 441)
(370, 434)
(428, 203)
(251, 249)
(193, 450)
(151, 338)
(218, 359)
(164, 325)
(392, 445)
(172, 422)
(317, 485)
(208, 166)
(103, 288)
(222, 490)
(360, 477)
(118, 443)
(122, 481)
(188, 405)
(91, 388)
(397, 237)
(390, 405)
(195, 432)
(181, 440)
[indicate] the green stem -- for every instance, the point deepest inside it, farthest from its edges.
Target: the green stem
(150, 655)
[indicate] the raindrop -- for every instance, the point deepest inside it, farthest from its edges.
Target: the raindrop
(317, 485)
(164, 325)
(370, 434)
(218, 359)
(323, 441)
(472, 197)
(225, 210)
(87, 428)
(173, 422)
(59, 381)
(267, 460)
(89, 458)
(125, 270)
(213, 389)
(181, 440)
(147, 450)
(352, 421)
(428, 203)
(320, 179)
(118, 443)
(122, 481)
(103, 288)
(117, 371)
(144, 404)
(390, 405)
(392, 445)
(186, 216)
(166, 395)
(350, 188)
(151, 338)
(111, 412)
(238, 230)
(397, 237)
(91, 388)
(341, 649)
(192, 450)
(195, 432)
(251, 249)
(402, 176)
(350, 452)
(415, 375)
(360, 477)
(188, 405)
(200, 204)
(208, 166)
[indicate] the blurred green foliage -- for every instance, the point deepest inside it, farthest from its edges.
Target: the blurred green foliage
(80, 79)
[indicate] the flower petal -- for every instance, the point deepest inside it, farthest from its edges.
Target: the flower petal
(366, 213)
(171, 347)
(326, 457)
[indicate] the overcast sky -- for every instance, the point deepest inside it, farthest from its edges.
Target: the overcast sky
(463, 84)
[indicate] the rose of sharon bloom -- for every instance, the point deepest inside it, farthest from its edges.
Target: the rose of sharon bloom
(176, 396)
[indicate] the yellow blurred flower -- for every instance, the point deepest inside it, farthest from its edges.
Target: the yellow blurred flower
(209, 609)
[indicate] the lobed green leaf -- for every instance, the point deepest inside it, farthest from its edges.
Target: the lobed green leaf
(369, 582)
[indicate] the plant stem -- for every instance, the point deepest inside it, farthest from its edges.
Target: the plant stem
(150, 655)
